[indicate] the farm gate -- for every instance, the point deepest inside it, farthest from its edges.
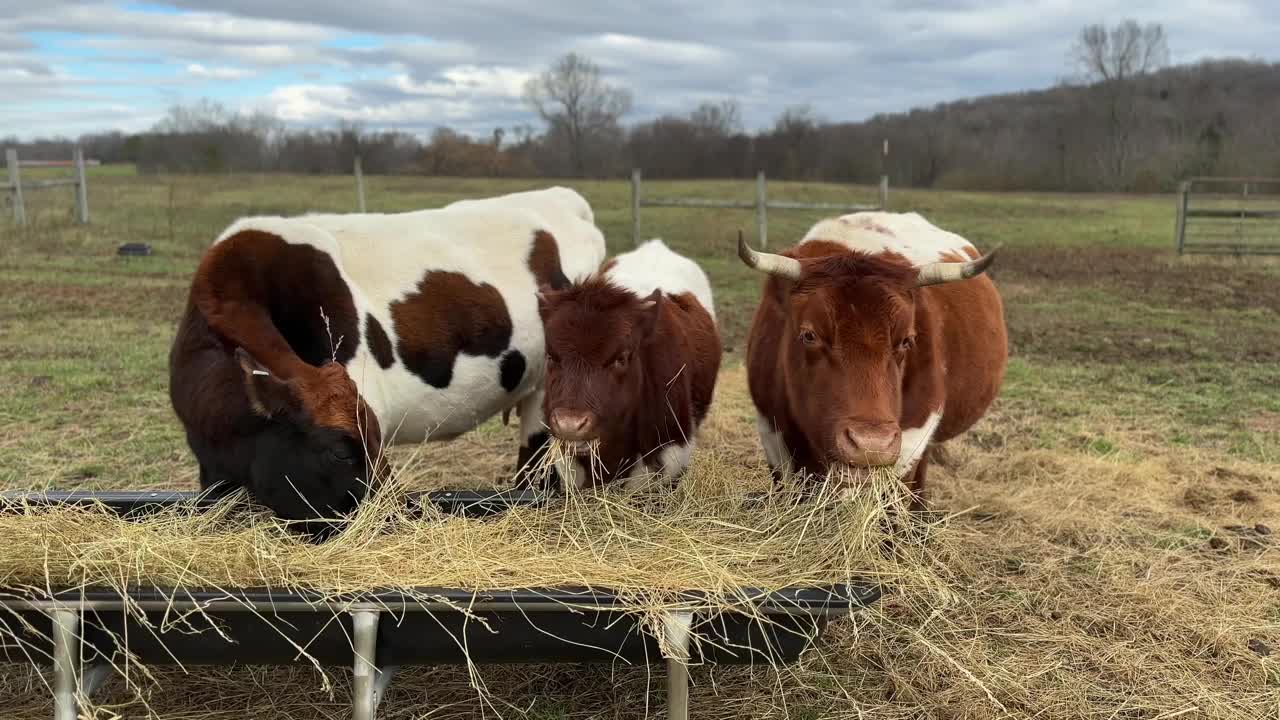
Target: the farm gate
(761, 205)
(1228, 216)
(14, 188)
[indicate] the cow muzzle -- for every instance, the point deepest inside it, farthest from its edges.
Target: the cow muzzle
(574, 425)
(864, 444)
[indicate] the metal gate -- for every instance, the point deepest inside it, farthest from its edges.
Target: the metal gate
(1229, 216)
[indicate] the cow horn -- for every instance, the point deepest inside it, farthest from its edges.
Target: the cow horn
(779, 265)
(945, 272)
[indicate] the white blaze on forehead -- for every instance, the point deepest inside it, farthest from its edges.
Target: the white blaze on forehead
(914, 443)
(907, 234)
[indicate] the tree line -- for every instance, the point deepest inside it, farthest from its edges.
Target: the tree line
(1125, 122)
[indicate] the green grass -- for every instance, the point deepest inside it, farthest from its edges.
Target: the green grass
(1123, 336)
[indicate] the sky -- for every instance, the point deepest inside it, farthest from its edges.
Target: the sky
(69, 67)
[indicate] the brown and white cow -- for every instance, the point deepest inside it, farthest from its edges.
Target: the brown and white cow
(308, 343)
(875, 336)
(632, 358)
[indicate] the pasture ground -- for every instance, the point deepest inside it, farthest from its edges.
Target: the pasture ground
(1108, 525)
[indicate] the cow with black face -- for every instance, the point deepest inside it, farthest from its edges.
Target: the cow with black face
(309, 343)
(876, 336)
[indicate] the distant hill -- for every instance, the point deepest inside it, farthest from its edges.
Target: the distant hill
(1217, 117)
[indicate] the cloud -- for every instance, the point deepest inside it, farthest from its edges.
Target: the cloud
(418, 65)
(218, 73)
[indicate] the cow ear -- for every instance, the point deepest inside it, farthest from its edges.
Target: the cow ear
(650, 309)
(268, 394)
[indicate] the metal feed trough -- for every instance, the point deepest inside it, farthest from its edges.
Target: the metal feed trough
(80, 632)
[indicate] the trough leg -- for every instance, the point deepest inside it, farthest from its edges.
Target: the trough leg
(66, 631)
(677, 632)
(365, 628)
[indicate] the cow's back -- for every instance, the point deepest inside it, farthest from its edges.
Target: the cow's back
(654, 266)
(907, 234)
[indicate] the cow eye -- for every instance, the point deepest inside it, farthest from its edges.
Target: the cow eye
(808, 337)
(552, 359)
(620, 360)
(907, 343)
(342, 454)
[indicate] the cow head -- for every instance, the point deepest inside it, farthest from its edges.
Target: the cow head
(318, 455)
(594, 333)
(847, 342)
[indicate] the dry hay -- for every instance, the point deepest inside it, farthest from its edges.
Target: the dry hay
(1056, 584)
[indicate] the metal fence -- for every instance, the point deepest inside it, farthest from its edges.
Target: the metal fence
(761, 204)
(14, 188)
(1228, 216)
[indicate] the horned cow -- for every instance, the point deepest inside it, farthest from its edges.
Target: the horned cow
(310, 342)
(632, 358)
(875, 336)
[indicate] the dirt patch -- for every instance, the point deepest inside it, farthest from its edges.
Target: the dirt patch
(1152, 276)
(1134, 307)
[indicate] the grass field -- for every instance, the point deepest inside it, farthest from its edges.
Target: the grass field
(1108, 539)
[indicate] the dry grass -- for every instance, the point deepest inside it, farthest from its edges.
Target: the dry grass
(1057, 584)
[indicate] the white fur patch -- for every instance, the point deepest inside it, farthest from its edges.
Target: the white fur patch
(914, 442)
(674, 459)
(775, 450)
(654, 266)
(907, 234)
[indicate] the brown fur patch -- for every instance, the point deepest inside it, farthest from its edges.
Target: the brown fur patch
(257, 292)
(448, 315)
(544, 262)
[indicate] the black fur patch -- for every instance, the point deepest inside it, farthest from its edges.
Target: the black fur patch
(379, 343)
(511, 370)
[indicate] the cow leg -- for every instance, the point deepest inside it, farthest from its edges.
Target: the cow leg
(673, 460)
(534, 439)
(775, 451)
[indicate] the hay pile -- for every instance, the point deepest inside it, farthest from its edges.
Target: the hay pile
(1057, 585)
(708, 536)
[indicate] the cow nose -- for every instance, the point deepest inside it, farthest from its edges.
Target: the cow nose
(575, 425)
(869, 444)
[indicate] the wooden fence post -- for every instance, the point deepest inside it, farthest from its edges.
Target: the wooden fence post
(762, 220)
(1180, 227)
(884, 192)
(82, 188)
(359, 184)
(635, 206)
(15, 181)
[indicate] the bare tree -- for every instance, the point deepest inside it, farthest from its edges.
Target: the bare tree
(1114, 58)
(720, 119)
(573, 98)
(1121, 52)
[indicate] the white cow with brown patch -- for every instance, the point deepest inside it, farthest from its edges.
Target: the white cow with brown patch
(309, 342)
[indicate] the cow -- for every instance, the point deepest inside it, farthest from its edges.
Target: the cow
(310, 343)
(875, 336)
(632, 358)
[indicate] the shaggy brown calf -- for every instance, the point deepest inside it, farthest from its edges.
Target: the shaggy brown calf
(632, 357)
